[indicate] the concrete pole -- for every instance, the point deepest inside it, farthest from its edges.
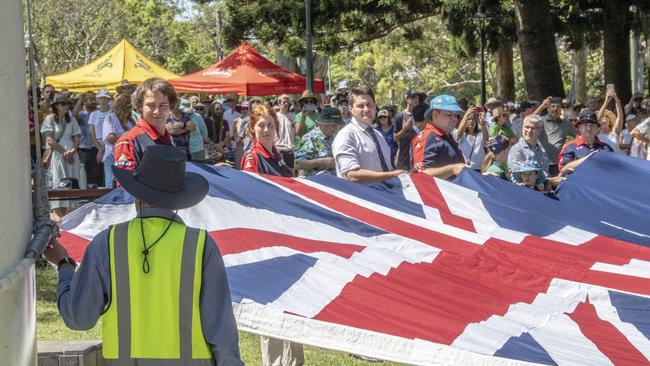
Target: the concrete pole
(17, 303)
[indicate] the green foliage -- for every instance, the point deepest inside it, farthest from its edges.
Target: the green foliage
(393, 64)
(337, 25)
(460, 20)
(70, 33)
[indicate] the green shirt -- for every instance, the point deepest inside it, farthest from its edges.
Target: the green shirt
(310, 123)
(498, 169)
(504, 130)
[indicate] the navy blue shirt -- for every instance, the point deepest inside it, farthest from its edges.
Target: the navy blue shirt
(432, 148)
(578, 148)
(83, 295)
(389, 136)
(261, 161)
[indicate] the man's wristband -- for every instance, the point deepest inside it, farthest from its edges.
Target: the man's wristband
(66, 260)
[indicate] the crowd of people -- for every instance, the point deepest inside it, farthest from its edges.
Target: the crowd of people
(344, 134)
(533, 144)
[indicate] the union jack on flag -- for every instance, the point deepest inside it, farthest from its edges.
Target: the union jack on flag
(423, 271)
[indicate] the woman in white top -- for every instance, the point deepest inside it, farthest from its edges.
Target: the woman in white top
(471, 138)
(611, 124)
(115, 124)
(62, 133)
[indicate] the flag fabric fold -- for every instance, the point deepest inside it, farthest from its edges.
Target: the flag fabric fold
(424, 271)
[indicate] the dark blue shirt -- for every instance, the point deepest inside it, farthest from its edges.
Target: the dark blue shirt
(432, 148)
(390, 140)
(578, 148)
(83, 295)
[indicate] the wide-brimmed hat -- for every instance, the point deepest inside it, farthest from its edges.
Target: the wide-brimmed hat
(307, 94)
(331, 115)
(493, 103)
(125, 87)
(525, 166)
(160, 179)
(60, 98)
(103, 93)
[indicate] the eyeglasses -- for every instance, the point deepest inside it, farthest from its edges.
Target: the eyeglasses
(383, 116)
(161, 107)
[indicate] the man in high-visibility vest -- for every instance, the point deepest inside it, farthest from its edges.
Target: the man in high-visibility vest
(159, 286)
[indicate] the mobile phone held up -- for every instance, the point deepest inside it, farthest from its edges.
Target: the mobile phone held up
(610, 87)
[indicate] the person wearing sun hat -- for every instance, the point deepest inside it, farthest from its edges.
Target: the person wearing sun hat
(577, 150)
(61, 134)
(153, 275)
(434, 150)
(306, 120)
(495, 161)
(315, 151)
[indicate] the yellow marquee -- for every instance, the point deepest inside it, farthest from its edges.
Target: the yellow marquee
(122, 62)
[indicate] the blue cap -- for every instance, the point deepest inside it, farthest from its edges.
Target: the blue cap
(445, 102)
(525, 166)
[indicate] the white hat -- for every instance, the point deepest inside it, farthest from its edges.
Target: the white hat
(342, 85)
(103, 93)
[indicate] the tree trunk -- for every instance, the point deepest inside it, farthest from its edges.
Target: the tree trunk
(539, 58)
(320, 66)
(616, 47)
(281, 59)
(505, 72)
(580, 74)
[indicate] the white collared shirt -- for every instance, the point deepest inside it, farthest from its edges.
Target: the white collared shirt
(354, 148)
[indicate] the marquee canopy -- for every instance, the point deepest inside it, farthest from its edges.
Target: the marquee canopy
(107, 71)
(245, 72)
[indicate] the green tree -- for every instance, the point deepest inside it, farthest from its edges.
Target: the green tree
(394, 64)
(70, 33)
(499, 36)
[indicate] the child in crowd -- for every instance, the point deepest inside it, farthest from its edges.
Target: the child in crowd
(495, 161)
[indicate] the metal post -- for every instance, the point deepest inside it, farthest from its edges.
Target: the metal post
(217, 16)
(482, 43)
(308, 56)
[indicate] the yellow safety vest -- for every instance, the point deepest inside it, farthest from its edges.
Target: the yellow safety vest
(153, 318)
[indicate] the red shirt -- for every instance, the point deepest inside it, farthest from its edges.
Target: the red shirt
(578, 148)
(130, 147)
(260, 160)
(434, 148)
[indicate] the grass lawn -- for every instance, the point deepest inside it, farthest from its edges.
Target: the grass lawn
(50, 327)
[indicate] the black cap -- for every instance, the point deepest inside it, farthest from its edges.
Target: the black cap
(525, 105)
(587, 117)
(411, 94)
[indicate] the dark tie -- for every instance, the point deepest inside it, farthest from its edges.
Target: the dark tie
(371, 131)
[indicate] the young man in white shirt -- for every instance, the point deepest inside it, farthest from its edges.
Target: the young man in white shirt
(360, 152)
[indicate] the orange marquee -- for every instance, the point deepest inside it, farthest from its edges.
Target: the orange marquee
(245, 72)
